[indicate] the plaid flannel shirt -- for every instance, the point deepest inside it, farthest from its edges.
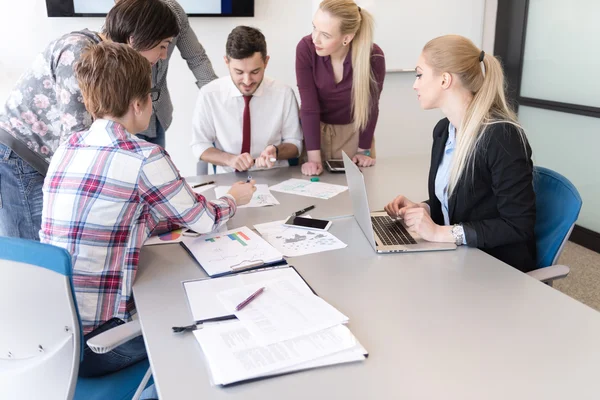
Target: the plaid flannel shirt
(104, 194)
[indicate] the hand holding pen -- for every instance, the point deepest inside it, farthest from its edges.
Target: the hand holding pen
(242, 192)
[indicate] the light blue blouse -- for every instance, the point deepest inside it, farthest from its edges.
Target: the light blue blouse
(442, 177)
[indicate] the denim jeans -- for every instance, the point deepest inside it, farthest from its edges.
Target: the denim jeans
(160, 138)
(21, 197)
(115, 360)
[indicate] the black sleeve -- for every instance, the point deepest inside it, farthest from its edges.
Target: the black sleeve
(507, 155)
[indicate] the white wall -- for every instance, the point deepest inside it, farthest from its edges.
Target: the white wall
(402, 129)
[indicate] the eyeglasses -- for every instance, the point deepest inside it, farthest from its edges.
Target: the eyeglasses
(155, 94)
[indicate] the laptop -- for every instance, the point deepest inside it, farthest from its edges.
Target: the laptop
(384, 233)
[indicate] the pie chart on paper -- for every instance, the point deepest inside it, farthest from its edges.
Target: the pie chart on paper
(173, 235)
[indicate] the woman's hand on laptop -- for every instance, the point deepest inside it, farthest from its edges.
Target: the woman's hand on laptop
(418, 220)
(397, 207)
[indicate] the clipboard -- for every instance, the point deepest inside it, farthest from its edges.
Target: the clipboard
(232, 251)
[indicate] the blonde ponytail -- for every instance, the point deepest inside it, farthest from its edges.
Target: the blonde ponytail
(361, 23)
(459, 56)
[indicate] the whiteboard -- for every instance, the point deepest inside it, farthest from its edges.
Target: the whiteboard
(402, 27)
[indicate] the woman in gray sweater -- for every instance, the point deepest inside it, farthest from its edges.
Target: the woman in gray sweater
(46, 106)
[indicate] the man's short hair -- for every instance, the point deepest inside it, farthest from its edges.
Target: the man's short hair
(111, 76)
(244, 41)
(145, 22)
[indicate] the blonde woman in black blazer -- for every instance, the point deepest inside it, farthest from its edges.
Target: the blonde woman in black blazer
(480, 179)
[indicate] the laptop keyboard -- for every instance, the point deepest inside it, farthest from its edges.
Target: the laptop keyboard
(390, 231)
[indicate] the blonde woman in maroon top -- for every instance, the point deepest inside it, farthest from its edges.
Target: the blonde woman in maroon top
(340, 73)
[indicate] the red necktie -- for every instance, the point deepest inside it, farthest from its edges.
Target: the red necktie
(246, 126)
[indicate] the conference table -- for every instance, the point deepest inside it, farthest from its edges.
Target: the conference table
(437, 325)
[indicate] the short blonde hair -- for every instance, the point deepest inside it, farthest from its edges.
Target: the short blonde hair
(111, 76)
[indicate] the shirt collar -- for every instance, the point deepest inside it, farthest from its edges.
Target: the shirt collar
(235, 92)
(451, 142)
(115, 130)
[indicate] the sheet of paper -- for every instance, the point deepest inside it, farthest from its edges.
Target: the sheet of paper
(304, 187)
(282, 311)
(357, 353)
(233, 354)
(202, 293)
(261, 198)
(231, 250)
(293, 242)
(202, 189)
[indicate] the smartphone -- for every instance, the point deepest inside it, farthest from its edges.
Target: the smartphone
(335, 165)
(308, 223)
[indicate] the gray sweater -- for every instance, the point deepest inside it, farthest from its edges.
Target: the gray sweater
(45, 105)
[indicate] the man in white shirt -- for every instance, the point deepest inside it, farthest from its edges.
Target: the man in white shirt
(246, 120)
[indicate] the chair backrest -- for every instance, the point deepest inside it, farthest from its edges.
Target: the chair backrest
(40, 342)
(557, 207)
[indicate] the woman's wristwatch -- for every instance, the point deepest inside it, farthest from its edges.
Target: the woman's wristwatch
(458, 233)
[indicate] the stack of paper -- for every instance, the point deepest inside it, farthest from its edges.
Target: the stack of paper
(286, 328)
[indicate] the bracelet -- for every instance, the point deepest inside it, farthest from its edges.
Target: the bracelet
(458, 233)
(276, 151)
(364, 153)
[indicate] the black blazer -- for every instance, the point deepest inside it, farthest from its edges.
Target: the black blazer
(495, 204)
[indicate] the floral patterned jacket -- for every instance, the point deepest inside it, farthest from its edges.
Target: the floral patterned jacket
(46, 106)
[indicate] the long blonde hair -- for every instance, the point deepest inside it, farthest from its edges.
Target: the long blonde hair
(459, 56)
(359, 22)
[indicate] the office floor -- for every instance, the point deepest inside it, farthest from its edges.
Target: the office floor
(583, 282)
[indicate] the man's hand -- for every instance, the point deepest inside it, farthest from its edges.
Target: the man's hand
(264, 160)
(243, 162)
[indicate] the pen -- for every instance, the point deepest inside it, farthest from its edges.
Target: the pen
(194, 326)
(300, 212)
(203, 184)
(249, 299)
(249, 178)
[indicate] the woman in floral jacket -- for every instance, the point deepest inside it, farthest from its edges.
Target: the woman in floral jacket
(46, 106)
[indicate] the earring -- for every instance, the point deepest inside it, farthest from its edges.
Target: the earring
(345, 43)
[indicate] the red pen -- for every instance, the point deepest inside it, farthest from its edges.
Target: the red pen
(249, 299)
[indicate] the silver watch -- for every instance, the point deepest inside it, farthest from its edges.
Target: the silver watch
(458, 233)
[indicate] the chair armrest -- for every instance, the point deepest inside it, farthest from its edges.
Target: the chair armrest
(550, 273)
(108, 340)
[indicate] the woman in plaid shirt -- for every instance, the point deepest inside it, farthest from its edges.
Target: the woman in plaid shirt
(107, 190)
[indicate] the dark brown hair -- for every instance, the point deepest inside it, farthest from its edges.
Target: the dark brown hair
(145, 22)
(111, 76)
(244, 41)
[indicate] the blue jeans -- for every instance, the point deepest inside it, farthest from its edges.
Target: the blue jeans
(115, 360)
(160, 138)
(21, 198)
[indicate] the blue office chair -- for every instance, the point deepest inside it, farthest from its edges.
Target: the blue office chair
(41, 341)
(557, 206)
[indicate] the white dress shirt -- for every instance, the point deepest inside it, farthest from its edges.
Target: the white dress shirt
(218, 119)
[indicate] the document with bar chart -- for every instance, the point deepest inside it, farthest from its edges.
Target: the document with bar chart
(231, 251)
